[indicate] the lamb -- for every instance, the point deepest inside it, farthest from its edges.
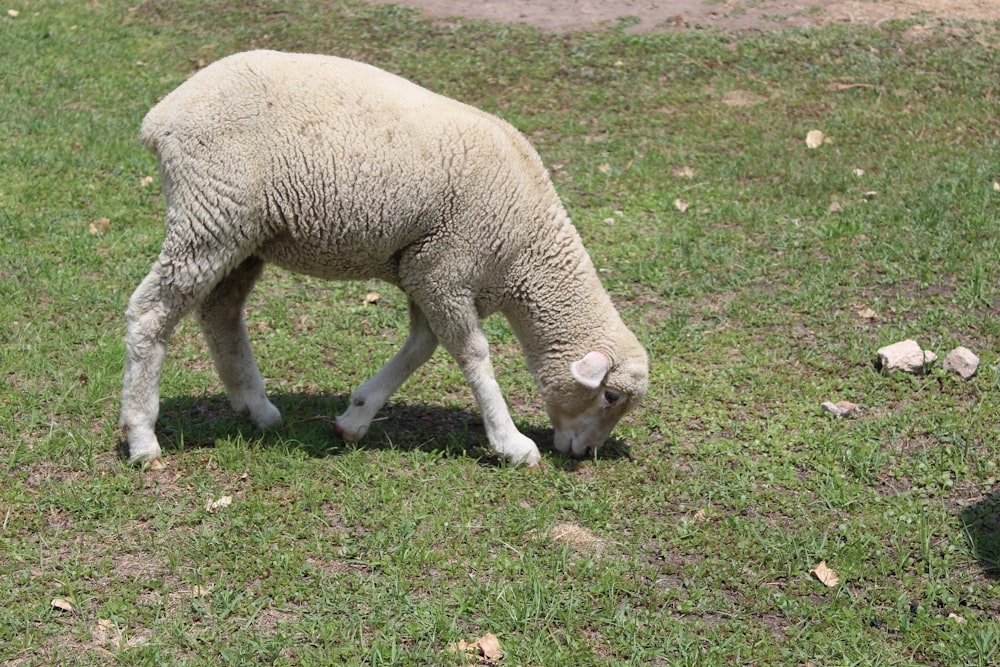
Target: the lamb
(337, 169)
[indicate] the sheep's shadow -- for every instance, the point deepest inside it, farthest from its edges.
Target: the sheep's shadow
(982, 528)
(195, 422)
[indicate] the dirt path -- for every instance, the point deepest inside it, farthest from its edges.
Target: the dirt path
(565, 15)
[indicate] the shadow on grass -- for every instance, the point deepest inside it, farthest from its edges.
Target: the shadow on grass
(199, 422)
(982, 526)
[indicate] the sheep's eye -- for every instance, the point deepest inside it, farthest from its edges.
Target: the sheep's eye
(611, 397)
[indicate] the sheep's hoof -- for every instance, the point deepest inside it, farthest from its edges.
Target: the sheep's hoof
(155, 464)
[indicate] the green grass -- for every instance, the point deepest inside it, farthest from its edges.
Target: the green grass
(716, 498)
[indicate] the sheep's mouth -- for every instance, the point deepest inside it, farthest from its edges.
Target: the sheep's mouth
(569, 445)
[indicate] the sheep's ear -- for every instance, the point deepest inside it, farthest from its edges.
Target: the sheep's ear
(591, 370)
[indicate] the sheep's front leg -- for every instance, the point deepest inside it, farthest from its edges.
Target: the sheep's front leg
(220, 316)
(369, 398)
(467, 343)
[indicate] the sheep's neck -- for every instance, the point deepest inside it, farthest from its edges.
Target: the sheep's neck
(559, 310)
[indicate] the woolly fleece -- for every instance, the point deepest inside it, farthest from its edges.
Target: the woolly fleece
(340, 170)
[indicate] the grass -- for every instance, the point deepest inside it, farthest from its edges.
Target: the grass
(715, 499)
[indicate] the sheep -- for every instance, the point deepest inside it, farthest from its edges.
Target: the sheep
(336, 169)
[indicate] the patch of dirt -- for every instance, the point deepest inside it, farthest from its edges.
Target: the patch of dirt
(579, 539)
(654, 15)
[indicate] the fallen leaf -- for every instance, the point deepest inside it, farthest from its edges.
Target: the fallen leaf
(372, 297)
(99, 226)
(488, 646)
(604, 168)
(13, 13)
(867, 313)
(200, 591)
(835, 207)
(815, 139)
(681, 205)
(996, 185)
(66, 604)
(956, 617)
(825, 575)
(146, 180)
(222, 501)
(684, 172)
(459, 646)
(859, 172)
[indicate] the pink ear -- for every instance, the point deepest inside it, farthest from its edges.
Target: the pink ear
(591, 369)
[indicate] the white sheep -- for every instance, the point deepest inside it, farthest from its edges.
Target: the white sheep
(337, 169)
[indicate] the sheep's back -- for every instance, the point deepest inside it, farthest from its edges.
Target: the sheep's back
(340, 165)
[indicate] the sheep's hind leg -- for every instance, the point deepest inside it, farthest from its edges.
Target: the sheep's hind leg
(150, 322)
(189, 266)
(369, 398)
(164, 296)
(220, 316)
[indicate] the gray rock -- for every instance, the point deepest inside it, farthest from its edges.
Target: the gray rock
(962, 361)
(905, 356)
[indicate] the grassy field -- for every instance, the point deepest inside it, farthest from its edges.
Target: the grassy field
(689, 540)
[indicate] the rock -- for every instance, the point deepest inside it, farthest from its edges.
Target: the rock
(905, 356)
(962, 361)
(840, 408)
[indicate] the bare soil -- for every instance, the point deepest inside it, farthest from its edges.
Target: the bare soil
(655, 15)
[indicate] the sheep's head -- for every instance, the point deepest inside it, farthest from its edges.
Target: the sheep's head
(602, 391)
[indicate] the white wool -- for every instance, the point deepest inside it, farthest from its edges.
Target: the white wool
(340, 170)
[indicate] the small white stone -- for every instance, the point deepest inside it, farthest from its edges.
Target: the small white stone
(905, 356)
(840, 408)
(962, 361)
